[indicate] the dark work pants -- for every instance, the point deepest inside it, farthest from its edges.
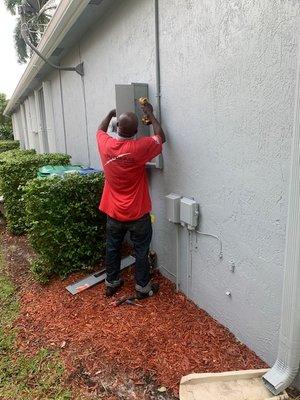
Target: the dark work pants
(140, 235)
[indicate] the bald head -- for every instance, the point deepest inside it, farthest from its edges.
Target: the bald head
(128, 124)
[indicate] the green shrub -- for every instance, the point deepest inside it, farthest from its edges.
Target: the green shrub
(65, 226)
(12, 155)
(6, 145)
(15, 153)
(41, 271)
(15, 172)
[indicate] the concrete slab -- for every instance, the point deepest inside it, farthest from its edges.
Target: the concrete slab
(236, 385)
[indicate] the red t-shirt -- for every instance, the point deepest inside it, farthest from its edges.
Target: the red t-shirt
(125, 195)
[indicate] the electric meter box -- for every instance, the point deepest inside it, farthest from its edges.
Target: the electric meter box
(189, 212)
(173, 207)
(127, 100)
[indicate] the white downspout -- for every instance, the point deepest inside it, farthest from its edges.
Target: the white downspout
(286, 367)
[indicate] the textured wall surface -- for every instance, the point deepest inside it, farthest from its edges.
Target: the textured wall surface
(228, 80)
(118, 49)
(74, 111)
(58, 112)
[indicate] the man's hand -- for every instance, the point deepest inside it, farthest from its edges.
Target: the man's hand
(158, 130)
(104, 124)
(112, 113)
(147, 109)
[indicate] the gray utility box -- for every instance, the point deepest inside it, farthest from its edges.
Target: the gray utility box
(173, 207)
(189, 212)
(127, 100)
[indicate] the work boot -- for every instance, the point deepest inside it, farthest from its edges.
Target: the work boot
(112, 288)
(148, 291)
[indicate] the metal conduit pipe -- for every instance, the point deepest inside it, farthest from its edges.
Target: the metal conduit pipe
(157, 83)
(158, 116)
(188, 263)
(286, 367)
(157, 60)
(24, 33)
(177, 256)
(85, 111)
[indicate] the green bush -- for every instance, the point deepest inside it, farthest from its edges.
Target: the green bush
(65, 226)
(6, 145)
(13, 154)
(15, 172)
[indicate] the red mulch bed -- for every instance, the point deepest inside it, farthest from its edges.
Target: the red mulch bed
(165, 338)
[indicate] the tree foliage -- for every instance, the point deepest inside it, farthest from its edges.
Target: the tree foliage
(23, 52)
(11, 5)
(5, 122)
(36, 26)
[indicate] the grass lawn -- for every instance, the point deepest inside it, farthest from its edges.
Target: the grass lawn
(21, 377)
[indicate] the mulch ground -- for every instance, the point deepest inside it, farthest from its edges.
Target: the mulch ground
(155, 343)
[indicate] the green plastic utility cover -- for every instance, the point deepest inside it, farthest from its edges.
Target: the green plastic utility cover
(52, 170)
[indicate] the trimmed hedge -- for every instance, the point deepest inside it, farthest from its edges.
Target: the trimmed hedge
(6, 145)
(65, 226)
(15, 153)
(15, 171)
(12, 155)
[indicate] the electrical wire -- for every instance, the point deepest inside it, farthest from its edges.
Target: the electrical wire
(169, 272)
(213, 236)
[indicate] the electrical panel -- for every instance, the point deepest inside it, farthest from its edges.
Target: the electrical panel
(127, 100)
(189, 213)
(173, 207)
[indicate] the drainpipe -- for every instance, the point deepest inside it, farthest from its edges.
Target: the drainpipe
(286, 367)
(157, 60)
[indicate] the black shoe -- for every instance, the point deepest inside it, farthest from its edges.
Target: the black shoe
(154, 289)
(111, 290)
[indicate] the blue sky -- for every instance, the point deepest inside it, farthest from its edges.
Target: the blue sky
(10, 70)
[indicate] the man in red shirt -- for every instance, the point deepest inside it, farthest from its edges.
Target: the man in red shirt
(125, 198)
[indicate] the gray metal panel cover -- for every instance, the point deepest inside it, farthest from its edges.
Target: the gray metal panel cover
(127, 97)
